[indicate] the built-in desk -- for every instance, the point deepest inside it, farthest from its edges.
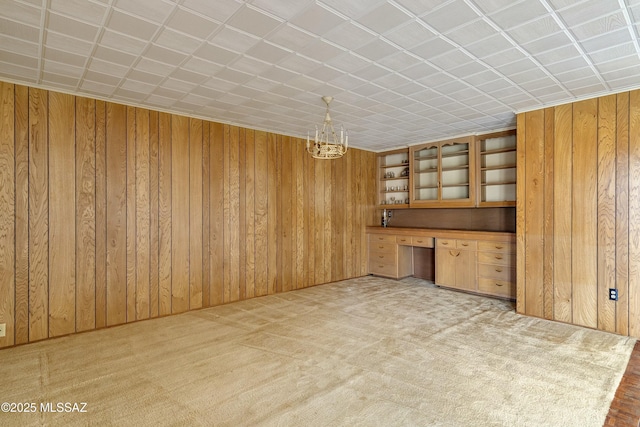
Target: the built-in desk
(481, 262)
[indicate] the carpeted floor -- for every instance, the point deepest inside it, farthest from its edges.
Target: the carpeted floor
(361, 352)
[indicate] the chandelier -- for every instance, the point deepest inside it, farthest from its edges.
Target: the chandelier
(326, 144)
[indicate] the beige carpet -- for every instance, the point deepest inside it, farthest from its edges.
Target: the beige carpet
(362, 352)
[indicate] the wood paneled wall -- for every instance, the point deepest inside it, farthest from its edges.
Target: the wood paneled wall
(111, 214)
(578, 213)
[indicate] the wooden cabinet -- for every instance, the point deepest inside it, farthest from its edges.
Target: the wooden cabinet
(389, 259)
(496, 269)
(393, 179)
(456, 263)
(443, 173)
(497, 169)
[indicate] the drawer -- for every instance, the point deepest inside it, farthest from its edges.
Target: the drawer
(425, 242)
(403, 240)
(468, 245)
(496, 272)
(446, 243)
(496, 247)
(390, 248)
(382, 257)
(497, 287)
(499, 258)
(382, 238)
(383, 267)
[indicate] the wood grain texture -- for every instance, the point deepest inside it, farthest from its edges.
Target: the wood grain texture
(120, 214)
(142, 214)
(249, 215)
(195, 214)
(164, 213)
(547, 280)
(85, 215)
(261, 213)
(521, 189)
(206, 212)
(585, 214)
(116, 187)
(534, 216)
(634, 213)
(272, 214)
(62, 197)
(38, 215)
(7, 213)
(101, 215)
(562, 196)
(154, 219)
(131, 209)
(179, 214)
(21, 130)
(606, 228)
(216, 216)
(622, 213)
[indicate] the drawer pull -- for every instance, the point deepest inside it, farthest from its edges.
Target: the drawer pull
(380, 247)
(499, 247)
(380, 238)
(380, 256)
(452, 253)
(381, 266)
(445, 243)
(498, 256)
(499, 270)
(498, 284)
(403, 240)
(465, 244)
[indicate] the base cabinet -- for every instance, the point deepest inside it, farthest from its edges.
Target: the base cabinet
(389, 259)
(456, 264)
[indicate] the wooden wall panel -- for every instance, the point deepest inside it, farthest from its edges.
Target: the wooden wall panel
(562, 196)
(101, 216)
(534, 216)
(584, 233)
(38, 214)
(116, 187)
(195, 214)
(179, 214)
(622, 212)
(591, 232)
(22, 214)
(120, 214)
(634, 213)
(164, 213)
(62, 233)
(7, 213)
(142, 215)
(85, 304)
(216, 214)
(606, 246)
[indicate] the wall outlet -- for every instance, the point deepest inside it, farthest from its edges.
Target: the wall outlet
(613, 294)
(3, 329)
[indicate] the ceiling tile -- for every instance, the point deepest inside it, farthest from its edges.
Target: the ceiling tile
(519, 13)
(383, 18)
(349, 35)
(452, 59)
(317, 19)
(115, 56)
(588, 10)
(219, 10)
(63, 69)
(410, 35)
(376, 50)
(153, 10)
(489, 46)
(599, 26)
(472, 32)
(142, 76)
(90, 12)
(349, 62)
(299, 64)
(286, 9)
(161, 54)
(64, 57)
(20, 60)
(19, 31)
(451, 15)
(268, 52)
(420, 7)
(98, 77)
(18, 46)
(154, 67)
(534, 30)
(233, 76)
(607, 40)
(216, 54)
(353, 8)
(399, 61)
(433, 48)
(65, 25)
(234, 40)
(131, 25)
(249, 65)
(177, 41)
(122, 42)
(253, 21)
(21, 13)
(192, 24)
(290, 37)
(544, 44)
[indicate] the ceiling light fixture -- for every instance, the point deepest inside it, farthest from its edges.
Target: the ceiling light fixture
(322, 148)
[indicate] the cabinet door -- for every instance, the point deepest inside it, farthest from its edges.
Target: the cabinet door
(466, 270)
(446, 262)
(393, 179)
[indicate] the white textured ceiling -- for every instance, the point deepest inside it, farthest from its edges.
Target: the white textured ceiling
(401, 71)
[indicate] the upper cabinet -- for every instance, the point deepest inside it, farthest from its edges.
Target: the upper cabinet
(443, 173)
(393, 179)
(471, 171)
(497, 169)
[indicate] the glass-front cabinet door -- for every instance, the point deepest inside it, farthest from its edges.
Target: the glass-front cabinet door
(443, 174)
